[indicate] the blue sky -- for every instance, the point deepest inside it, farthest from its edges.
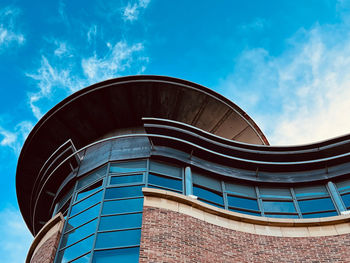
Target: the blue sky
(286, 63)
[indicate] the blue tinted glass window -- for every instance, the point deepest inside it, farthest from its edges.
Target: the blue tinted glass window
(122, 238)
(125, 255)
(92, 177)
(310, 191)
(83, 259)
(245, 203)
(241, 189)
(283, 207)
(89, 190)
(83, 217)
(121, 221)
(275, 193)
(93, 199)
(316, 205)
(76, 250)
(168, 182)
(346, 200)
(208, 195)
(122, 206)
(281, 216)
(127, 179)
(166, 169)
(343, 186)
(128, 167)
(245, 212)
(79, 233)
(323, 214)
(123, 192)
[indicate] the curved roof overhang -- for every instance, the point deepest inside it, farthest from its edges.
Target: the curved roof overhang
(102, 108)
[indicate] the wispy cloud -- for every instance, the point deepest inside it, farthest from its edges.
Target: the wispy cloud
(9, 32)
(132, 10)
(257, 24)
(14, 247)
(302, 95)
(60, 76)
(14, 138)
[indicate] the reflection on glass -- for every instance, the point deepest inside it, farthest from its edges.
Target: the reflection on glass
(242, 202)
(76, 250)
(83, 259)
(208, 195)
(281, 216)
(316, 205)
(84, 217)
(310, 191)
(163, 168)
(86, 180)
(346, 200)
(89, 190)
(123, 192)
(125, 255)
(122, 206)
(126, 179)
(122, 238)
(283, 207)
(245, 212)
(322, 214)
(280, 193)
(93, 199)
(121, 221)
(128, 167)
(79, 233)
(165, 182)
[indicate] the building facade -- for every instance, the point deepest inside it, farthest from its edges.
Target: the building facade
(158, 169)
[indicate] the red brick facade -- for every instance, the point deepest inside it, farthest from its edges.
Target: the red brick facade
(169, 236)
(46, 252)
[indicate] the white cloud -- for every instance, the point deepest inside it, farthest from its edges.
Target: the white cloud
(301, 96)
(118, 58)
(132, 11)
(16, 239)
(15, 138)
(9, 33)
(60, 76)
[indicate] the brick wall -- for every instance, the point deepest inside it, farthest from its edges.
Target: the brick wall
(169, 236)
(46, 252)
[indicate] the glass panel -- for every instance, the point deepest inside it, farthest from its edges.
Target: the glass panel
(283, 207)
(125, 255)
(89, 190)
(118, 238)
(76, 250)
(164, 168)
(121, 221)
(245, 190)
(165, 182)
(128, 167)
(346, 200)
(79, 233)
(311, 191)
(84, 217)
(122, 206)
(127, 179)
(86, 180)
(316, 205)
(344, 186)
(281, 216)
(324, 214)
(208, 195)
(86, 203)
(83, 259)
(64, 200)
(123, 192)
(207, 182)
(280, 193)
(245, 212)
(242, 202)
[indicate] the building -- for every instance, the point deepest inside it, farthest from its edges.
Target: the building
(158, 169)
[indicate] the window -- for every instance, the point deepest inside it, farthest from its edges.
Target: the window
(208, 190)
